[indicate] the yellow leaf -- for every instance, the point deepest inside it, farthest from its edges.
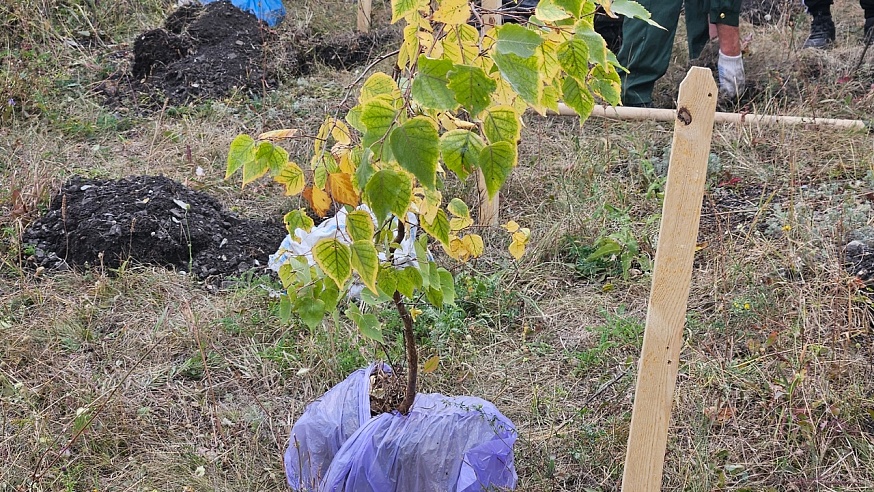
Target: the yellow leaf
(427, 202)
(522, 235)
(415, 312)
(431, 364)
(278, 134)
(341, 133)
(458, 223)
(340, 186)
(473, 243)
(318, 200)
(511, 226)
(452, 12)
(517, 249)
(456, 249)
(292, 177)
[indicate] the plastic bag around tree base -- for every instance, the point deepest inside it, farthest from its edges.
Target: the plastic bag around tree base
(445, 444)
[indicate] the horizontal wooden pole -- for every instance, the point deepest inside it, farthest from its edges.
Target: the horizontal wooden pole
(654, 114)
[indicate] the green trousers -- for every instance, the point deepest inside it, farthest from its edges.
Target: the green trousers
(646, 50)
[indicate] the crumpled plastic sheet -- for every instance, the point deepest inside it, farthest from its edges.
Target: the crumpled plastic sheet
(335, 227)
(445, 444)
(270, 11)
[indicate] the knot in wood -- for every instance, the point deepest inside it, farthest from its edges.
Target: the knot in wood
(684, 115)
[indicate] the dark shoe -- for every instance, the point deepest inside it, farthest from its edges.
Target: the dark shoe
(822, 32)
(869, 30)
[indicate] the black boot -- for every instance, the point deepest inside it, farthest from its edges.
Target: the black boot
(822, 32)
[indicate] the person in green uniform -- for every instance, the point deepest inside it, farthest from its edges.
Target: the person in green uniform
(646, 49)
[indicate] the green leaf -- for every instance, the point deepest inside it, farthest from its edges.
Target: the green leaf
(298, 219)
(472, 87)
(577, 97)
(330, 295)
(574, 7)
(310, 310)
(549, 98)
(439, 229)
(496, 162)
(409, 279)
(435, 296)
(377, 117)
(460, 150)
(365, 261)
(359, 225)
(388, 192)
(242, 151)
(517, 40)
(630, 8)
(447, 285)
(387, 281)
(605, 83)
(274, 157)
(522, 74)
(430, 87)
(597, 45)
(550, 11)
(335, 259)
(284, 308)
(458, 208)
(608, 248)
(501, 124)
(421, 247)
(363, 166)
(368, 323)
(573, 56)
(379, 84)
(415, 145)
(353, 117)
(401, 9)
(286, 275)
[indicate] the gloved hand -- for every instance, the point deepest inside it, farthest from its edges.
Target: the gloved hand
(732, 79)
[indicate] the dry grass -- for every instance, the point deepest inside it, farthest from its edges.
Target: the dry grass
(141, 379)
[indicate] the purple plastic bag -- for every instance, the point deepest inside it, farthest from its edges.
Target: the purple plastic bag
(323, 428)
(445, 444)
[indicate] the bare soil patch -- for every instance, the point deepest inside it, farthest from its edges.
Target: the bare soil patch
(148, 219)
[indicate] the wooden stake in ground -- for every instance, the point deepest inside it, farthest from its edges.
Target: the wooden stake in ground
(488, 208)
(672, 275)
(364, 15)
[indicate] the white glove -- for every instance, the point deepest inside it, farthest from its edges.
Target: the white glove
(732, 79)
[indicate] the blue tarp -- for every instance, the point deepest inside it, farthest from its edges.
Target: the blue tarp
(445, 444)
(270, 11)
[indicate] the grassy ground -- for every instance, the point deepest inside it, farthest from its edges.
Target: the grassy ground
(141, 379)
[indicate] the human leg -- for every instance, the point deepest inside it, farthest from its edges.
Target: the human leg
(822, 27)
(646, 50)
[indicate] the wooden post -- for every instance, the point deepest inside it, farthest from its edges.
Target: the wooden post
(672, 276)
(655, 114)
(364, 15)
(488, 208)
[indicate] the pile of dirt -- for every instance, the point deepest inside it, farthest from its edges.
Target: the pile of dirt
(147, 219)
(206, 52)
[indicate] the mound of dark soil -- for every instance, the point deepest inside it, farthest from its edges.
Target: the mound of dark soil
(202, 52)
(148, 219)
(206, 52)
